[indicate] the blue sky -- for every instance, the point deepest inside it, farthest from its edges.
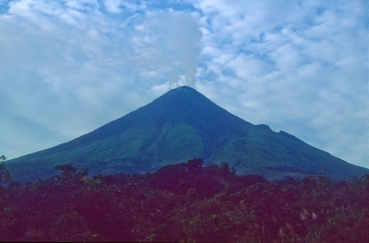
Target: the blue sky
(68, 67)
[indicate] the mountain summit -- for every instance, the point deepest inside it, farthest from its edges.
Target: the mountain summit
(180, 125)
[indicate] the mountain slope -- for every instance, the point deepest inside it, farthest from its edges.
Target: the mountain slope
(180, 125)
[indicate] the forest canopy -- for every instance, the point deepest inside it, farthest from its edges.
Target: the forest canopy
(186, 202)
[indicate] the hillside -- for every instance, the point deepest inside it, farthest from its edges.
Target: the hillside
(180, 125)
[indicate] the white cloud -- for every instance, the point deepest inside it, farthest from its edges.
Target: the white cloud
(285, 56)
(113, 5)
(68, 67)
(299, 66)
(118, 6)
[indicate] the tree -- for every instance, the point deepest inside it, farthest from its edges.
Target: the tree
(4, 173)
(194, 165)
(69, 171)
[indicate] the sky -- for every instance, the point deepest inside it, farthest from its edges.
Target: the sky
(68, 67)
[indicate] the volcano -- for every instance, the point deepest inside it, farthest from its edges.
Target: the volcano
(180, 125)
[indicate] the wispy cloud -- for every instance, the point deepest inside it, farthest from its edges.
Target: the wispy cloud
(70, 66)
(300, 66)
(67, 67)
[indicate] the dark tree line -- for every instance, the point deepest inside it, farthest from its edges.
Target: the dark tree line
(186, 202)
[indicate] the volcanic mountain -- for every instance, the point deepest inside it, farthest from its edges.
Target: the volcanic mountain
(180, 125)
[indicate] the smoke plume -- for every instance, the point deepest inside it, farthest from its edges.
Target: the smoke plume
(176, 46)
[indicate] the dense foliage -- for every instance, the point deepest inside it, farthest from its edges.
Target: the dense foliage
(185, 202)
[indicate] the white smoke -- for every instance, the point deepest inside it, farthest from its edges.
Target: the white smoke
(174, 80)
(175, 42)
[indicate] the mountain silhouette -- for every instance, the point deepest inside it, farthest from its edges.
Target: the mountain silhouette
(180, 125)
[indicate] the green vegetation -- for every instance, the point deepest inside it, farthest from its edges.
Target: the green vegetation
(4, 173)
(178, 126)
(146, 149)
(185, 202)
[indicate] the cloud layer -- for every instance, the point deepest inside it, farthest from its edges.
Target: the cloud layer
(299, 67)
(67, 67)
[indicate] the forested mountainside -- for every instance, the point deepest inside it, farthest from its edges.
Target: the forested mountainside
(178, 126)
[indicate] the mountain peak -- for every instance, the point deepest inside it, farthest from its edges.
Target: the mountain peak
(180, 92)
(184, 89)
(180, 125)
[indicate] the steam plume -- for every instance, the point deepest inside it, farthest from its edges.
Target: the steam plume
(182, 50)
